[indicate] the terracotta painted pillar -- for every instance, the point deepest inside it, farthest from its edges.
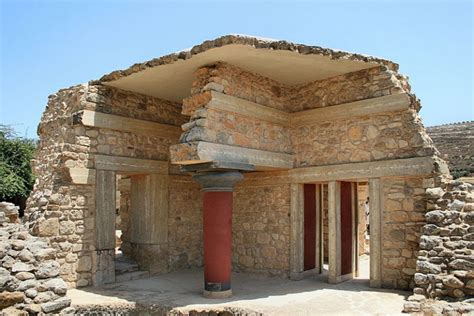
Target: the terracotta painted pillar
(217, 190)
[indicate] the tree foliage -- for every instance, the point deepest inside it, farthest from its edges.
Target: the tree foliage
(16, 177)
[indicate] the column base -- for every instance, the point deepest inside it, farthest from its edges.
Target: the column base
(219, 294)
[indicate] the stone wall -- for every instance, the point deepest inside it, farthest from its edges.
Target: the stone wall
(261, 229)
(63, 211)
(29, 272)
(377, 137)
(184, 223)
(240, 83)
(388, 135)
(359, 85)
(455, 143)
(444, 275)
(403, 209)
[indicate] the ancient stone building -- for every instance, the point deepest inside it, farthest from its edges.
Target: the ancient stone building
(240, 153)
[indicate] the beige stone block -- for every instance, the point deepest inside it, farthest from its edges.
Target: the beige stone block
(84, 264)
(67, 227)
(49, 227)
(247, 261)
(354, 133)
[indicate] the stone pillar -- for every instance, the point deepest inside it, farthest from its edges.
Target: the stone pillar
(148, 221)
(375, 219)
(217, 190)
(334, 227)
(104, 257)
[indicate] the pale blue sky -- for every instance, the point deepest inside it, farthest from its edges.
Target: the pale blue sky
(48, 45)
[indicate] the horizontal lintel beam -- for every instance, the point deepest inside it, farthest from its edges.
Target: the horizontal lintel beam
(204, 152)
(126, 124)
(389, 103)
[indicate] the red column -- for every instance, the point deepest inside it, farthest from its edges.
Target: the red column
(217, 190)
(217, 243)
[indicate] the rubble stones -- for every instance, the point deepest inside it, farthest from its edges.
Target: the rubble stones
(47, 269)
(8, 299)
(446, 263)
(25, 278)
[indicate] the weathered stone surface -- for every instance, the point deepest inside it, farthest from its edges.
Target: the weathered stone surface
(10, 298)
(56, 285)
(434, 217)
(22, 267)
(461, 264)
(44, 297)
(445, 264)
(47, 269)
(453, 282)
(25, 255)
(426, 267)
(49, 227)
(56, 305)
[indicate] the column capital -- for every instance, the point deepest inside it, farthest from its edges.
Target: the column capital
(220, 181)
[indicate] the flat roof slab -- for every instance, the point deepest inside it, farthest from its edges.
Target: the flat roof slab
(170, 77)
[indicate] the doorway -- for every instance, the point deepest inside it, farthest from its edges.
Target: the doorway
(347, 230)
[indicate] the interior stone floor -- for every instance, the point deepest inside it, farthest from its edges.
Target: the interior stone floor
(253, 294)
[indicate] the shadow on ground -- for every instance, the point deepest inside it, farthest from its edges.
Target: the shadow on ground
(181, 292)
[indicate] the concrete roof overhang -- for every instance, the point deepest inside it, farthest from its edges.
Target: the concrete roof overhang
(170, 77)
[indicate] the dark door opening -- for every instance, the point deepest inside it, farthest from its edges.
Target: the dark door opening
(309, 226)
(346, 228)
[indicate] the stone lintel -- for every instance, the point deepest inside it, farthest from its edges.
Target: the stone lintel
(389, 103)
(364, 170)
(126, 124)
(204, 152)
(216, 166)
(130, 165)
(218, 181)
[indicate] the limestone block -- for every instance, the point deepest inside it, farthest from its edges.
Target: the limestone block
(49, 227)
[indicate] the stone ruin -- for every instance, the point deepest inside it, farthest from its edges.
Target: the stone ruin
(29, 275)
(247, 154)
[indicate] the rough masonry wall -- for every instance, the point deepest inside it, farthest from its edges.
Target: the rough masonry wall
(221, 127)
(403, 209)
(369, 138)
(359, 85)
(184, 223)
(389, 135)
(444, 278)
(261, 229)
(63, 211)
(242, 84)
(455, 142)
(445, 266)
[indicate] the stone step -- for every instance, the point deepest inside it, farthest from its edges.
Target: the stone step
(129, 276)
(124, 267)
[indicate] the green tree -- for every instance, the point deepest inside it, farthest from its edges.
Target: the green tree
(16, 177)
